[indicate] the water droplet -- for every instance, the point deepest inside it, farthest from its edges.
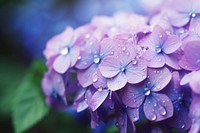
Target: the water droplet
(127, 53)
(100, 89)
(161, 36)
(79, 57)
(122, 69)
(158, 49)
(183, 126)
(85, 63)
(95, 78)
(162, 110)
(159, 59)
(160, 77)
(110, 95)
(135, 117)
(119, 82)
(153, 116)
(193, 14)
(96, 60)
(112, 52)
(134, 62)
(147, 91)
(64, 51)
(155, 105)
(124, 48)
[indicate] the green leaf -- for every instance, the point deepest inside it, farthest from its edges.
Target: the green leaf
(29, 103)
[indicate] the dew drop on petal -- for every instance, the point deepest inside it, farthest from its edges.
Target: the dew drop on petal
(160, 36)
(112, 52)
(64, 51)
(79, 57)
(134, 62)
(153, 116)
(100, 89)
(162, 110)
(96, 60)
(95, 78)
(124, 48)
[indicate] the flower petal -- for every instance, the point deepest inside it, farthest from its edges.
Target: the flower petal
(85, 77)
(108, 46)
(133, 114)
(158, 107)
(195, 82)
(172, 61)
(117, 82)
(97, 99)
(133, 95)
(136, 71)
(109, 67)
(159, 78)
(99, 81)
(62, 63)
(171, 44)
(74, 54)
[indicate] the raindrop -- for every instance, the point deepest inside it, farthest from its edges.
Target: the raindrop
(193, 15)
(110, 95)
(158, 50)
(162, 111)
(100, 89)
(85, 63)
(111, 53)
(96, 60)
(127, 53)
(161, 36)
(155, 105)
(160, 77)
(124, 48)
(135, 117)
(64, 51)
(95, 78)
(119, 82)
(79, 57)
(183, 126)
(87, 36)
(148, 92)
(159, 59)
(134, 62)
(153, 116)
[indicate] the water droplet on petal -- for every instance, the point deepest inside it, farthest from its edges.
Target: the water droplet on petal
(153, 116)
(161, 36)
(96, 60)
(134, 62)
(100, 89)
(112, 52)
(193, 15)
(79, 57)
(124, 48)
(162, 110)
(159, 59)
(95, 78)
(64, 51)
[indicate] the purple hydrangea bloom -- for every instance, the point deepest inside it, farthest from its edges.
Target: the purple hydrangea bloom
(124, 66)
(63, 50)
(182, 12)
(160, 47)
(156, 106)
(54, 89)
(90, 59)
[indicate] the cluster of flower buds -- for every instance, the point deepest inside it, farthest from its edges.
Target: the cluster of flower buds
(130, 69)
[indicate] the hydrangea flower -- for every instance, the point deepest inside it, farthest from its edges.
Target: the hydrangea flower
(131, 70)
(54, 90)
(156, 106)
(182, 12)
(159, 48)
(124, 66)
(63, 49)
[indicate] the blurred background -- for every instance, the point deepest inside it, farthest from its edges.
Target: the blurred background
(25, 27)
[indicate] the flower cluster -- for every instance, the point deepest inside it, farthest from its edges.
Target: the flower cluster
(130, 69)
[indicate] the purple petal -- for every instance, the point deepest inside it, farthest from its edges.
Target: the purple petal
(185, 64)
(172, 61)
(195, 82)
(171, 44)
(133, 114)
(154, 59)
(86, 59)
(158, 107)
(136, 71)
(62, 63)
(108, 46)
(97, 99)
(117, 82)
(82, 105)
(133, 95)
(74, 54)
(99, 81)
(122, 123)
(179, 19)
(86, 77)
(109, 67)
(159, 35)
(159, 78)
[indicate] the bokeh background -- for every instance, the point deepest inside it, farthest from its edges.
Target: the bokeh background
(25, 27)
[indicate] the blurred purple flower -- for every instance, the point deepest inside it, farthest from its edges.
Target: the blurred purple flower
(183, 11)
(160, 47)
(157, 106)
(54, 90)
